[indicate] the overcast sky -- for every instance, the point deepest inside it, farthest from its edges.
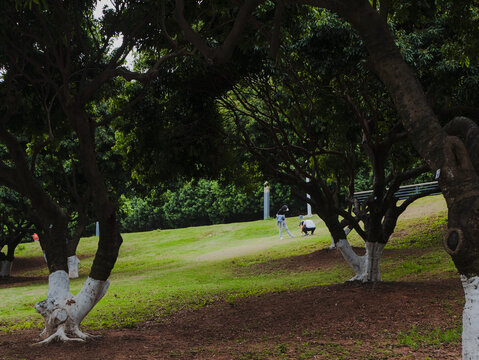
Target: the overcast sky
(98, 13)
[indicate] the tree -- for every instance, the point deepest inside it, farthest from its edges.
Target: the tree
(16, 224)
(295, 119)
(18, 168)
(455, 160)
(448, 154)
(55, 50)
(65, 55)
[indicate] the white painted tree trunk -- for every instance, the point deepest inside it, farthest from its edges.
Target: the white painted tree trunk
(366, 267)
(470, 318)
(374, 251)
(73, 262)
(333, 245)
(5, 268)
(64, 312)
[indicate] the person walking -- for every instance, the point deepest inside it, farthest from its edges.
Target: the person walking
(281, 221)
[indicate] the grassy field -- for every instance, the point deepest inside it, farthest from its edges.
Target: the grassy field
(161, 271)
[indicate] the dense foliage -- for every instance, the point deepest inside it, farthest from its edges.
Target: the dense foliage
(203, 202)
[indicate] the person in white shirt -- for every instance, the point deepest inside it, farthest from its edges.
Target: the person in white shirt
(306, 225)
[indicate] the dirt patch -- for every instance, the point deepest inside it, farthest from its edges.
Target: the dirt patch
(22, 281)
(345, 321)
(22, 265)
(319, 260)
(19, 267)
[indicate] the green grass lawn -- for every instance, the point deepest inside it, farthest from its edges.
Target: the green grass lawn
(161, 271)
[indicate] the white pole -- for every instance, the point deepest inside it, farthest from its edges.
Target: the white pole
(266, 201)
(308, 205)
(97, 228)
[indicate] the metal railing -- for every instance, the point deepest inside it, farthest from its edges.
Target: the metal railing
(405, 191)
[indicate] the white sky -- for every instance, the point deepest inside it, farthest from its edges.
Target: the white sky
(98, 13)
(99, 8)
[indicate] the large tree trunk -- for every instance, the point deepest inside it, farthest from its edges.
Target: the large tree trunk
(470, 316)
(110, 238)
(64, 312)
(366, 267)
(458, 179)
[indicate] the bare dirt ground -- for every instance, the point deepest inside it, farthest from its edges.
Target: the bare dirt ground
(345, 321)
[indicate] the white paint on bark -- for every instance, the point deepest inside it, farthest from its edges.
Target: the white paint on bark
(5, 268)
(470, 318)
(333, 245)
(366, 267)
(356, 262)
(64, 312)
(73, 262)
(374, 251)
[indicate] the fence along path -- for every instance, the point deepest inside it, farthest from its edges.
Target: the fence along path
(405, 191)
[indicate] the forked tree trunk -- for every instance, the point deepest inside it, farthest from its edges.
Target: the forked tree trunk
(63, 312)
(366, 267)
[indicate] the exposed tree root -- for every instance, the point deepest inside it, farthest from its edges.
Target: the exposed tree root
(60, 335)
(63, 312)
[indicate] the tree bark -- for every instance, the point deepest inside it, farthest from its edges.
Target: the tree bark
(110, 238)
(366, 267)
(64, 312)
(7, 261)
(470, 316)
(459, 180)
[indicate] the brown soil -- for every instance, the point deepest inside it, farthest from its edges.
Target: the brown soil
(321, 260)
(345, 321)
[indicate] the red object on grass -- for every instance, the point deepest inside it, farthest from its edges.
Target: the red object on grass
(35, 237)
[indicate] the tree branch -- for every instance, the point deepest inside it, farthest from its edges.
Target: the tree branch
(275, 37)
(225, 51)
